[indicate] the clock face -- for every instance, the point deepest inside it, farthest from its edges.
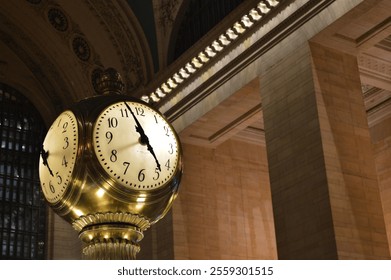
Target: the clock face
(58, 156)
(136, 146)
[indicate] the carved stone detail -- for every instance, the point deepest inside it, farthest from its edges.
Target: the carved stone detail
(81, 48)
(58, 19)
(126, 45)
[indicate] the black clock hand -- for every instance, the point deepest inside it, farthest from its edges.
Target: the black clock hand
(143, 137)
(45, 155)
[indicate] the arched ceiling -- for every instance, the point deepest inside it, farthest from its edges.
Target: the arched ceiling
(50, 50)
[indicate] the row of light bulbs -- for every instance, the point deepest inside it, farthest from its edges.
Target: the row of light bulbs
(210, 51)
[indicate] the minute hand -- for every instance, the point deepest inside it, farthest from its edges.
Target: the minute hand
(143, 137)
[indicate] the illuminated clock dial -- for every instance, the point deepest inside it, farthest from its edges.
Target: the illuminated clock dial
(136, 146)
(58, 156)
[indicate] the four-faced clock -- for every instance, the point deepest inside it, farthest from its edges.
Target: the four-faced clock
(136, 146)
(58, 156)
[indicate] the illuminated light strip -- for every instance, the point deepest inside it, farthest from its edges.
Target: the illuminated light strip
(218, 45)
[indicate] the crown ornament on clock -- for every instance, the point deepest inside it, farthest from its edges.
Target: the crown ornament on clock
(111, 166)
(109, 81)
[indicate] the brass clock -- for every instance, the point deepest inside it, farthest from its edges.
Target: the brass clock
(111, 166)
(136, 146)
(58, 157)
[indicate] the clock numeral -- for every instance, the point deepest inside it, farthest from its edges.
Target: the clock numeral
(167, 130)
(124, 113)
(141, 175)
(168, 164)
(113, 122)
(155, 119)
(126, 164)
(109, 136)
(64, 127)
(51, 187)
(113, 156)
(64, 162)
(140, 111)
(59, 122)
(171, 150)
(66, 145)
(59, 179)
(157, 174)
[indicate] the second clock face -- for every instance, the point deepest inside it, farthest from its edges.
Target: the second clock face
(136, 146)
(58, 156)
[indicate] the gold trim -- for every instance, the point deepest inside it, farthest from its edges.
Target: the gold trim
(109, 217)
(111, 250)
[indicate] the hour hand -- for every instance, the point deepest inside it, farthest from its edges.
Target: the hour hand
(45, 155)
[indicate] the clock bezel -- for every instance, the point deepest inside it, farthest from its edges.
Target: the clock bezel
(113, 185)
(71, 185)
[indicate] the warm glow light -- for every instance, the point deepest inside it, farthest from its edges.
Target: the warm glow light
(196, 62)
(223, 39)
(239, 28)
(246, 21)
(217, 46)
(177, 78)
(78, 212)
(202, 56)
(100, 193)
(166, 88)
(264, 9)
(190, 68)
(154, 97)
(160, 93)
(183, 73)
(273, 2)
(231, 34)
(171, 83)
(210, 52)
(255, 15)
(146, 98)
(139, 206)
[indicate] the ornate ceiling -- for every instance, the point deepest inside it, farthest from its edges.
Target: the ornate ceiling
(51, 51)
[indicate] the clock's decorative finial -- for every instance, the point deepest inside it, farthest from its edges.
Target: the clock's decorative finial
(111, 166)
(109, 81)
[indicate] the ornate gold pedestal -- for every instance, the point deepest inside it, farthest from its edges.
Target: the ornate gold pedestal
(111, 236)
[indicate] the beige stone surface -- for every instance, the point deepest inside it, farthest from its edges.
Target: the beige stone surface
(224, 207)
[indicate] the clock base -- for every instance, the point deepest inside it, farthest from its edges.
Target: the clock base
(113, 241)
(111, 250)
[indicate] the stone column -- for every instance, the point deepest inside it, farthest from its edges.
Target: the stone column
(324, 190)
(358, 217)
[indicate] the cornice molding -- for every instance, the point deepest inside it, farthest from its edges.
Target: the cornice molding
(238, 62)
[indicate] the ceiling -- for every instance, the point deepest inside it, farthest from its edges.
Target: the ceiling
(51, 50)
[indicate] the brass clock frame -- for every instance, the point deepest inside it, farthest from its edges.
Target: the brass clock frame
(104, 212)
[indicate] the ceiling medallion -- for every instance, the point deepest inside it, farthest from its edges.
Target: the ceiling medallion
(58, 19)
(81, 48)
